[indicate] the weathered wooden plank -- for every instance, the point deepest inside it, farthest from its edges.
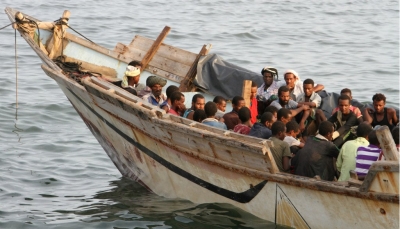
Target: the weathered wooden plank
(246, 92)
(387, 144)
(167, 51)
(187, 82)
(103, 70)
(165, 64)
(155, 46)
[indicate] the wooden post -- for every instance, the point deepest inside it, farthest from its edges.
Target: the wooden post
(187, 82)
(246, 92)
(154, 48)
(54, 47)
(387, 144)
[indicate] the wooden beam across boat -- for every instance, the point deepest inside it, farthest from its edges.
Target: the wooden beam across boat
(154, 48)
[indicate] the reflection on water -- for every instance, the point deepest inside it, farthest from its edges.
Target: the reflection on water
(129, 203)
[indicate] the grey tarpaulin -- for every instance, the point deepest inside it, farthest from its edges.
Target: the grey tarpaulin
(218, 77)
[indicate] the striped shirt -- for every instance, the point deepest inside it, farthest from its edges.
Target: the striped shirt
(366, 155)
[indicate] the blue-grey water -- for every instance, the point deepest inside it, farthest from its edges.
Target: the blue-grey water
(54, 174)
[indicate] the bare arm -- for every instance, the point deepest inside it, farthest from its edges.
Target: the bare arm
(319, 87)
(190, 115)
(310, 104)
(303, 120)
(367, 115)
(392, 116)
(285, 163)
(300, 108)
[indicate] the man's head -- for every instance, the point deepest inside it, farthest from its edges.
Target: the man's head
(268, 74)
(308, 87)
(373, 139)
(221, 103)
(379, 101)
(344, 104)
(284, 115)
(237, 103)
(268, 119)
(278, 130)
(326, 129)
(273, 110)
(171, 89)
(210, 108)
(136, 66)
(198, 102)
(395, 135)
(284, 95)
(156, 84)
(346, 91)
(290, 78)
(253, 91)
(199, 115)
(363, 130)
(177, 101)
(292, 129)
(244, 114)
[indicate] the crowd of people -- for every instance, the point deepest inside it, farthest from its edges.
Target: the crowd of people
(285, 112)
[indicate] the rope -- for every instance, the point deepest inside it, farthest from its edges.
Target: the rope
(16, 74)
(61, 22)
(73, 70)
(5, 26)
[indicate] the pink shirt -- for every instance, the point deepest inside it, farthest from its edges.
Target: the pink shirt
(171, 111)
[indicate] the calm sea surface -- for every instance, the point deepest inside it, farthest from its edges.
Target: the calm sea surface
(54, 174)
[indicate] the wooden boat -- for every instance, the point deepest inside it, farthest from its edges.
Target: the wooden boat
(179, 158)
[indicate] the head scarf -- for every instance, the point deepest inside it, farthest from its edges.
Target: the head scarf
(130, 71)
(153, 80)
(293, 72)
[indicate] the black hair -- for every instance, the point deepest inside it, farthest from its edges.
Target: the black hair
(372, 138)
(395, 134)
(254, 84)
(171, 89)
(266, 117)
(344, 97)
(379, 97)
(292, 125)
(176, 95)
(283, 89)
(244, 114)
(283, 112)
(199, 115)
(271, 109)
(345, 90)
(308, 81)
(236, 99)
(210, 108)
(325, 128)
(135, 63)
(277, 127)
(364, 129)
(218, 99)
(197, 96)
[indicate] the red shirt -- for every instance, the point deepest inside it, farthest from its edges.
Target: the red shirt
(253, 110)
(242, 129)
(171, 111)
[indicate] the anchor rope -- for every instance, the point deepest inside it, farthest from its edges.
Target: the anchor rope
(16, 74)
(61, 22)
(6, 26)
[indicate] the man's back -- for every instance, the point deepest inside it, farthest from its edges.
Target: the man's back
(316, 158)
(347, 157)
(281, 149)
(260, 131)
(231, 119)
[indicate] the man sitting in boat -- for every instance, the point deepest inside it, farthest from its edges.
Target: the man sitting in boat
(366, 155)
(272, 110)
(130, 80)
(211, 109)
(177, 103)
(346, 160)
(245, 117)
(221, 105)
(166, 105)
(198, 102)
(317, 155)
(295, 85)
(281, 150)
(343, 120)
(292, 131)
(354, 109)
(268, 88)
(262, 129)
(313, 100)
(380, 115)
(156, 97)
(284, 115)
(199, 115)
(296, 108)
(231, 119)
